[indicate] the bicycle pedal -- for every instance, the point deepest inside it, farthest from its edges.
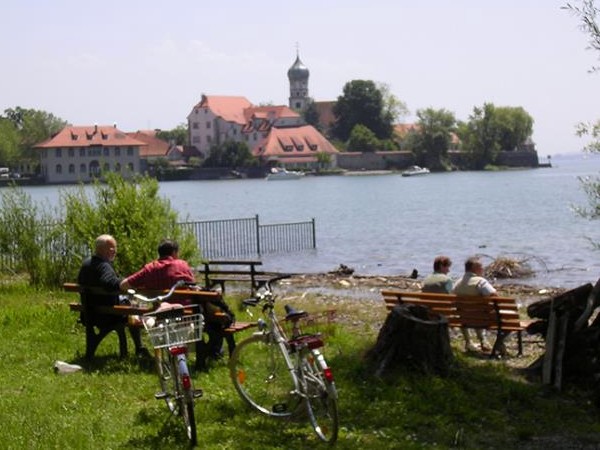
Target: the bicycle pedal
(160, 395)
(198, 393)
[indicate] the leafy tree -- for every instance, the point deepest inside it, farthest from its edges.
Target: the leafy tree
(130, 210)
(9, 143)
(432, 137)
(362, 140)
(491, 129)
(230, 154)
(588, 13)
(362, 103)
(33, 127)
(178, 135)
(393, 107)
(311, 115)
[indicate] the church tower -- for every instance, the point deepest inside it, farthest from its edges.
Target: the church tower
(298, 76)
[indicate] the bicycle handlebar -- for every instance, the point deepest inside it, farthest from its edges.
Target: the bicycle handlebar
(159, 298)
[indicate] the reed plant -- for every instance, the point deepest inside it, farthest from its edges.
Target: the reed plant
(110, 403)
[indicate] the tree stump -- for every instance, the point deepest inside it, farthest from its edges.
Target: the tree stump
(413, 337)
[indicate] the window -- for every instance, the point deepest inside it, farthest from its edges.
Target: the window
(82, 168)
(129, 151)
(117, 151)
(208, 125)
(71, 152)
(71, 168)
(106, 167)
(195, 125)
(81, 151)
(130, 166)
(106, 151)
(59, 152)
(209, 139)
(58, 168)
(196, 139)
(117, 167)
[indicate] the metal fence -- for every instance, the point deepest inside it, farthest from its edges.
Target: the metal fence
(229, 238)
(232, 238)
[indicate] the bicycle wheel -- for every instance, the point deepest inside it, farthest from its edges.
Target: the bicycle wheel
(186, 399)
(321, 396)
(165, 367)
(262, 378)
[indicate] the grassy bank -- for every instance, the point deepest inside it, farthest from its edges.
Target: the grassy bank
(111, 405)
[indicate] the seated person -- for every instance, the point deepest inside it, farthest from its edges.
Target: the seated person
(163, 273)
(100, 285)
(439, 281)
(474, 284)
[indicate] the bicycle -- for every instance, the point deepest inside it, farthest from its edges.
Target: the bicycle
(170, 331)
(283, 377)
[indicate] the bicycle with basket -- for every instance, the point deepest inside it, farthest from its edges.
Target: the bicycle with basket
(285, 377)
(171, 330)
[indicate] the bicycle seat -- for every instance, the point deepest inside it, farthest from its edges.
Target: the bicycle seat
(294, 314)
(250, 301)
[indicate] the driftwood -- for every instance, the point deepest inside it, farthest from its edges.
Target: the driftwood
(412, 337)
(572, 342)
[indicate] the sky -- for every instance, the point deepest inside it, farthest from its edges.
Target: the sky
(144, 64)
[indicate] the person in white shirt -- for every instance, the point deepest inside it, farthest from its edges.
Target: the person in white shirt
(473, 283)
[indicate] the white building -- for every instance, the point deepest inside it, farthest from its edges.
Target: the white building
(82, 153)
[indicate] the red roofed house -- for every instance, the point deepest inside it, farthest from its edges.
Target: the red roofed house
(276, 134)
(82, 153)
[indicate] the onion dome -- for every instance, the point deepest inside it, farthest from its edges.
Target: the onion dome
(298, 71)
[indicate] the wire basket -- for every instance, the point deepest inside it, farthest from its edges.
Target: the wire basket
(173, 331)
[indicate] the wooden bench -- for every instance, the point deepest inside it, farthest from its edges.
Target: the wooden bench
(499, 314)
(218, 272)
(94, 338)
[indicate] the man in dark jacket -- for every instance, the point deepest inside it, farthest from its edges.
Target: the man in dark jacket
(100, 286)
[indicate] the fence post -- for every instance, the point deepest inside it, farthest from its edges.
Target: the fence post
(257, 236)
(314, 233)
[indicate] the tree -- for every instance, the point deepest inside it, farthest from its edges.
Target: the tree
(9, 143)
(432, 137)
(230, 154)
(362, 140)
(491, 129)
(178, 135)
(310, 114)
(587, 13)
(362, 103)
(32, 127)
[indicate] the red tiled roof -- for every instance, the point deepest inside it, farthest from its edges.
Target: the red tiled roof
(306, 136)
(269, 112)
(155, 147)
(229, 108)
(86, 136)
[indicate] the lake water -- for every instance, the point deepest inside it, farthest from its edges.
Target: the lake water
(388, 224)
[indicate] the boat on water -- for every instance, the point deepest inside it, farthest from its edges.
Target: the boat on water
(415, 170)
(283, 174)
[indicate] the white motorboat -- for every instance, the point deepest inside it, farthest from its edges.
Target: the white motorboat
(415, 170)
(283, 174)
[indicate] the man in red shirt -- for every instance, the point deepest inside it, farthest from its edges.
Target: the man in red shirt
(161, 273)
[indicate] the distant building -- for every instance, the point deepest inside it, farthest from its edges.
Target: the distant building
(298, 76)
(277, 135)
(82, 153)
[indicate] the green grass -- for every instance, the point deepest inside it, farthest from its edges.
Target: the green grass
(111, 405)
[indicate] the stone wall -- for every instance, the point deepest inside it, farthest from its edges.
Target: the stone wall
(374, 160)
(403, 159)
